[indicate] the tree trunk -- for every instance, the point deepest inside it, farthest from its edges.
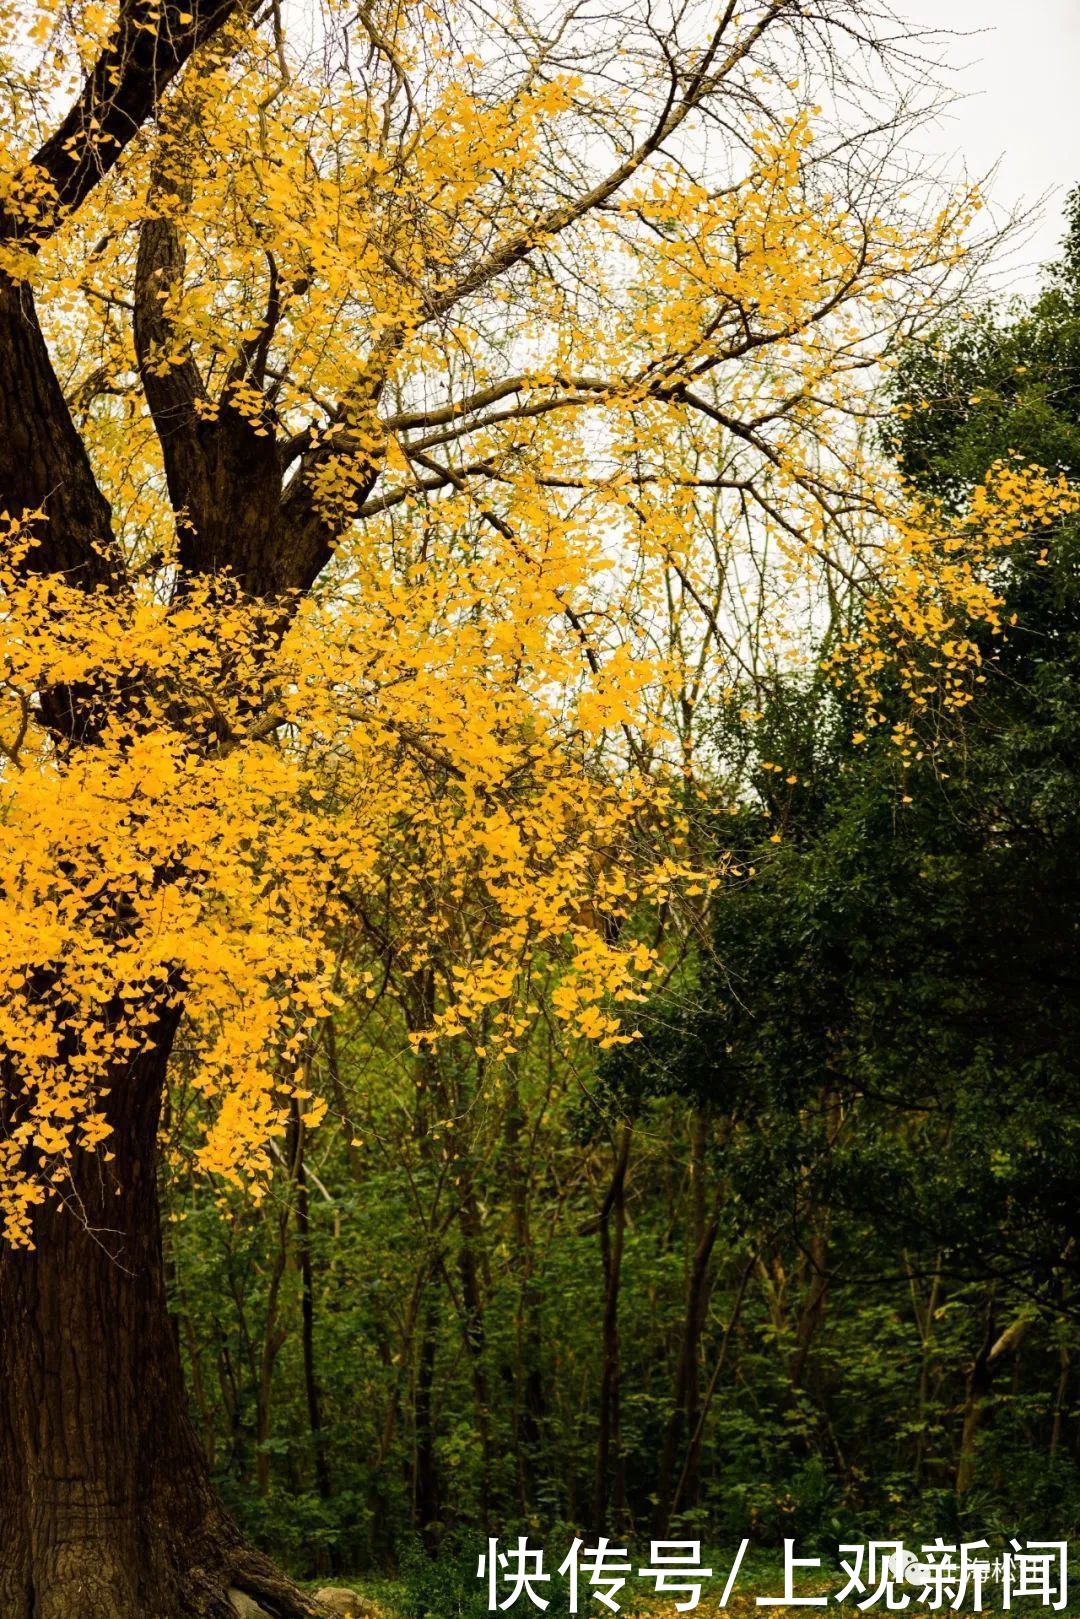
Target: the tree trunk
(475, 1336)
(979, 1383)
(609, 1435)
(1059, 1398)
(275, 1332)
(693, 1451)
(529, 1395)
(106, 1509)
(813, 1310)
(684, 1409)
(307, 1314)
(425, 1469)
(925, 1315)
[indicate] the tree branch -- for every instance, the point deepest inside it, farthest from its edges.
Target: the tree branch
(120, 93)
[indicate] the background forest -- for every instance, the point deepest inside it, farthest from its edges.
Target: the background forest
(802, 1260)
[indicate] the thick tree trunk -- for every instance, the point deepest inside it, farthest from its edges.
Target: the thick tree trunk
(106, 1509)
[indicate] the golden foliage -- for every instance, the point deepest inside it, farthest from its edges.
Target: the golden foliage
(575, 388)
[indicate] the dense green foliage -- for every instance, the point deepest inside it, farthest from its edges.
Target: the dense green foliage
(804, 1259)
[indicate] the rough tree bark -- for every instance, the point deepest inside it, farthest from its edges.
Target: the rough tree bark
(106, 1510)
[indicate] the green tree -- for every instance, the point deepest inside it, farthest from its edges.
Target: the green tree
(891, 1004)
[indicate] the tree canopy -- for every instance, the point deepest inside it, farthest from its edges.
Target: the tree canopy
(400, 394)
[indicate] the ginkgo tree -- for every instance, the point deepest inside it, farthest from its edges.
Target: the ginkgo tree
(374, 381)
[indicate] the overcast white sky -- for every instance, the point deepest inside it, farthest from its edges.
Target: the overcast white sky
(1019, 70)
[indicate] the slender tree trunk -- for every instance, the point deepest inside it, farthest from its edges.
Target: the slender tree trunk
(274, 1335)
(307, 1313)
(341, 1104)
(106, 1510)
(693, 1449)
(529, 1394)
(684, 1411)
(475, 1340)
(924, 1320)
(1060, 1398)
(420, 1011)
(683, 1418)
(425, 1472)
(979, 1383)
(812, 1313)
(612, 1226)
